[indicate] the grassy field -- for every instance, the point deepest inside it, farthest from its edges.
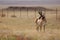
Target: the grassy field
(25, 28)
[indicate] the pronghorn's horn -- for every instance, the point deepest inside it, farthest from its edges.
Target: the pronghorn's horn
(40, 13)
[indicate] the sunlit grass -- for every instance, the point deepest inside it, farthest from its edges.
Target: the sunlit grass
(27, 31)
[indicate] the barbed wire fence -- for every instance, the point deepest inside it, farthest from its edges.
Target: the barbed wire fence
(27, 14)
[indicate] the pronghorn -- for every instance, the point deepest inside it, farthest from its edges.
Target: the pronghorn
(41, 22)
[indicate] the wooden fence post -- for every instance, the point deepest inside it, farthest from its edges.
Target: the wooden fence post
(56, 13)
(27, 12)
(20, 12)
(7, 12)
(35, 12)
(2, 11)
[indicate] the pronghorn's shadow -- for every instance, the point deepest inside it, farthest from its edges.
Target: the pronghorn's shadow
(40, 22)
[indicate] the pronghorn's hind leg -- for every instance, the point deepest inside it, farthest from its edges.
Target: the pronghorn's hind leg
(37, 28)
(44, 24)
(44, 28)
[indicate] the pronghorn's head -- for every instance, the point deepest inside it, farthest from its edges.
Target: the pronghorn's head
(41, 13)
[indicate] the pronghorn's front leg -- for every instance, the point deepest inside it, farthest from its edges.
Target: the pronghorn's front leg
(41, 27)
(37, 28)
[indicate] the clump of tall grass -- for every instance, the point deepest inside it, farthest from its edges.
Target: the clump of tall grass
(54, 37)
(16, 37)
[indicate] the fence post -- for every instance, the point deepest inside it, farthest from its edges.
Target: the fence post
(14, 12)
(45, 12)
(7, 12)
(2, 11)
(27, 12)
(56, 13)
(20, 12)
(35, 12)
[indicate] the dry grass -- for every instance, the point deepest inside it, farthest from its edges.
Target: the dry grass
(25, 28)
